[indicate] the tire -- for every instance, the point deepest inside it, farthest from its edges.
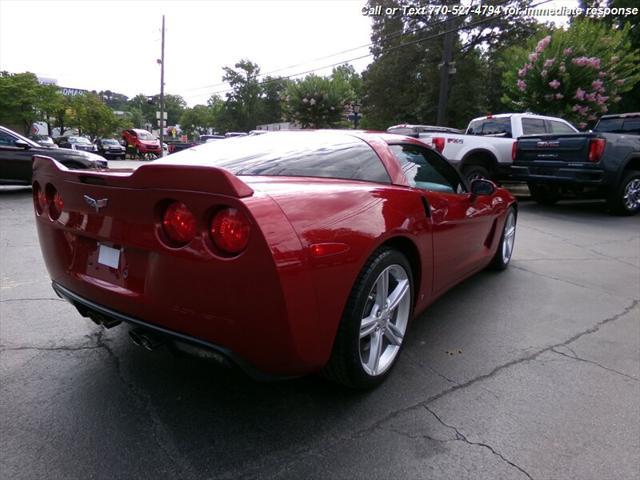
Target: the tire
(504, 251)
(625, 199)
(473, 172)
(545, 194)
(364, 325)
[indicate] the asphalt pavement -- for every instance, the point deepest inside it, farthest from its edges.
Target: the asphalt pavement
(531, 373)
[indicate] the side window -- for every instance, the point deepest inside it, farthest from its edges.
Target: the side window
(426, 170)
(533, 126)
(7, 140)
(559, 127)
(632, 125)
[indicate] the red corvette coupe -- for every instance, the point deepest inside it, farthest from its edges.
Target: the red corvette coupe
(287, 253)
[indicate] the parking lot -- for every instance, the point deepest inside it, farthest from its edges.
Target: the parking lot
(530, 373)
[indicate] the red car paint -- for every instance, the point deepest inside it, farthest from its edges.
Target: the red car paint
(141, 140)
(276, 305)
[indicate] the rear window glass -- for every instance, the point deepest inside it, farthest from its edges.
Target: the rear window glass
(490, 126)
(632, 125)
(293, 154)
(532, 126)
(609, 125)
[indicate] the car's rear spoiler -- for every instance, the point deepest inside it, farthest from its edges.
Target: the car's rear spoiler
(174, 177)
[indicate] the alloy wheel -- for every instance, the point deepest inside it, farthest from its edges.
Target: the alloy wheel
(384, 320)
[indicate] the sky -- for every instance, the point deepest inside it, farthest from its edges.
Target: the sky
(114, 45)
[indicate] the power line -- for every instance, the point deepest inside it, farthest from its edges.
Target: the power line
(387, 36)
(389, 49)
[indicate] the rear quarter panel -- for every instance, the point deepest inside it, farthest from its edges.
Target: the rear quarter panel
(360, 215)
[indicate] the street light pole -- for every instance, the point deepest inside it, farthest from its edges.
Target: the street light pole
(162, 123)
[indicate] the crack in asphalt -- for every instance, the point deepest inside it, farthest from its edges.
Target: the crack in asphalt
(48, 349)
(144, 400)
(379, 424)
(576, 357)
(585, 247)
(496, 370)
(461, 437)
(564, 280)
(43, 299)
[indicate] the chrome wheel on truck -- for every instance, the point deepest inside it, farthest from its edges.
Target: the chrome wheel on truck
(625, 200)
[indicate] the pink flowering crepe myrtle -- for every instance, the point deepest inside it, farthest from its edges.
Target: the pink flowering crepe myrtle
(555, 84)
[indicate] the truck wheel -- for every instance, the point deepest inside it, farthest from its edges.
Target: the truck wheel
(473, 172)
(544, 194)
(625, 199)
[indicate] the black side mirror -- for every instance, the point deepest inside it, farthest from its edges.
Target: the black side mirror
(22, 144)
(480, 186)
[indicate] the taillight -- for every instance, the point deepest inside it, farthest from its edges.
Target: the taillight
(39, 198)
(230, 230)
(56, 204)
(438, 143)
(596, 149)
(514, 150)
(179, 224)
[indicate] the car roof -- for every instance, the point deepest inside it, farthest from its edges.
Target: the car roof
(621, 115)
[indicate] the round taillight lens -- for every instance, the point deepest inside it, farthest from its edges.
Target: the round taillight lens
(56, 204)
(39, 198)
(230, 230)
(179, 224)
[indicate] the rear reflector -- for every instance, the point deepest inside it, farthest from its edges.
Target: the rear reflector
(54, 199)
(230, 230)
(179, 224)
(438, 143)
(596, 149)
(39, 198)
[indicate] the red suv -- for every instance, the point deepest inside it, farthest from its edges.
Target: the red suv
(141, 141)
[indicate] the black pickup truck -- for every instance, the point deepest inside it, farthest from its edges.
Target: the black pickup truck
(602, 163)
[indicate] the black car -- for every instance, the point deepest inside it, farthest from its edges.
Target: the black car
(76, 142)
(110, 148)
(17, 151)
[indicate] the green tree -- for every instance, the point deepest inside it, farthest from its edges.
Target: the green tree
(196, 120)
(243, 101)
(19, 95)
(402, 83)
(578, 73)
(93, 117)
(318, 102)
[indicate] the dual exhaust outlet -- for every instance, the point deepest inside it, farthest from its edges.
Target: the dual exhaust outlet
(139, 336)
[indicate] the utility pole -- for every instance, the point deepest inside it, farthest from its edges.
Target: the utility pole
(445, 71)
(162, 121)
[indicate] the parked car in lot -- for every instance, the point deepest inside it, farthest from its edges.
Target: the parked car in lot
(484, 151)
(603, 163)
(141, 142)
(235, 134)
(350, 234)
(44, 141)
(110, 148)
(17, 151)
(76, 142)
(174, 146)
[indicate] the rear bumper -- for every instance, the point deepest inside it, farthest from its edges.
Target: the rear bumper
(86, 307)
(594, 177)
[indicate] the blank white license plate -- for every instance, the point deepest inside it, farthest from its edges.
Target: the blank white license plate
(108, 256)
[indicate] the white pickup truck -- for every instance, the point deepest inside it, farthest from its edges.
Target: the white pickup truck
(485, 150)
